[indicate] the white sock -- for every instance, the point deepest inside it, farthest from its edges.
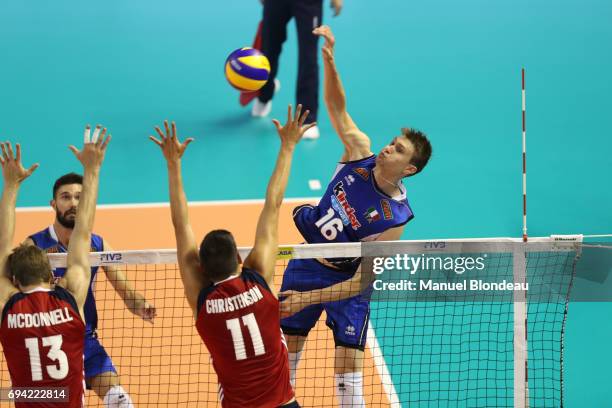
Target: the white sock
(294, 359)
(349, 390)
(116, 397)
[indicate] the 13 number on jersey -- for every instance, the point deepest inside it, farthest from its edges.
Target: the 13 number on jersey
(57, 371)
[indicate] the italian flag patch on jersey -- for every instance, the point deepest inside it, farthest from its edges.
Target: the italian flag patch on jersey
(372, 215)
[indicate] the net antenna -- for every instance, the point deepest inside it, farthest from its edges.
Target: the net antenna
(524, 157)
(521, 382)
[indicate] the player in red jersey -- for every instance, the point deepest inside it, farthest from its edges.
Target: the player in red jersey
(42, 330)
(237, 314)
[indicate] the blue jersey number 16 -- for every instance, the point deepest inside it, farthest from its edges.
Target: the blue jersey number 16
(330, 226)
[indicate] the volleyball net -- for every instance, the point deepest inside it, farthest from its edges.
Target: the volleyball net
(453, 323)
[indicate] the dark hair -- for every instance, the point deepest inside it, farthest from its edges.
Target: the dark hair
(218, 254)
(70, 178)
(422, 148)
(29, 265)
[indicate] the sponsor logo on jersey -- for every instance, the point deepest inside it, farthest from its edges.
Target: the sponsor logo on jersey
(349, 179)
(343, 207)
(364, 173)
(372, 215)
(386, 208)
(338, 208)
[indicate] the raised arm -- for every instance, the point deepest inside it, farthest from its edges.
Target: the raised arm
(13, 174)
(186, 245)
(294, 301)
(135, 301)
(356, 143)
(263, 255)
(78, 269)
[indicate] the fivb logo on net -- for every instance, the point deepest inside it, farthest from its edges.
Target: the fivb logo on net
(111, 257)
(428, 262)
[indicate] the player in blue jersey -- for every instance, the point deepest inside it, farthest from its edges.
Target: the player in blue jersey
(100, 373)
(365, 201)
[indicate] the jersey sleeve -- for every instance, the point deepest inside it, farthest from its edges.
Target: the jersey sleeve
(39, 238)
(202, 297)
(12, 300)
(63, 294)
(253, 276)
(97, 243)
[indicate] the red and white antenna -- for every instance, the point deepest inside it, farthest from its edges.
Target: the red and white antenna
(524, 160)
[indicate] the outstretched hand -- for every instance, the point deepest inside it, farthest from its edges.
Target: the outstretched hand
(337, 6)
(170, 145)
(94, 147)
(145, 310)
(292, 301)
(12, 168)
(330, 41)
(294, 128)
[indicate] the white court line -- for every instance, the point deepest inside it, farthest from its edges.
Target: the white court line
(190, 203)
(381, 367)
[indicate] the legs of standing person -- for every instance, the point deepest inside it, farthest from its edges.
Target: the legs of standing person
(108, 388)
(295, 345)
(308, 15)
(348, 370)
(101, 376)
(349, 319)
(276, 15)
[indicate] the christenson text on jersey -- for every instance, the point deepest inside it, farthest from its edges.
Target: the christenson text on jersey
(465, 285)
(236, 302)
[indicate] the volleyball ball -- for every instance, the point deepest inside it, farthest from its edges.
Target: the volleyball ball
(247, 69)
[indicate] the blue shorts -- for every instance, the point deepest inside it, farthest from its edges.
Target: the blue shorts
(97, 360)
(347, 318)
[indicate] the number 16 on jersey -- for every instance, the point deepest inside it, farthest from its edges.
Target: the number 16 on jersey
(329, 226)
